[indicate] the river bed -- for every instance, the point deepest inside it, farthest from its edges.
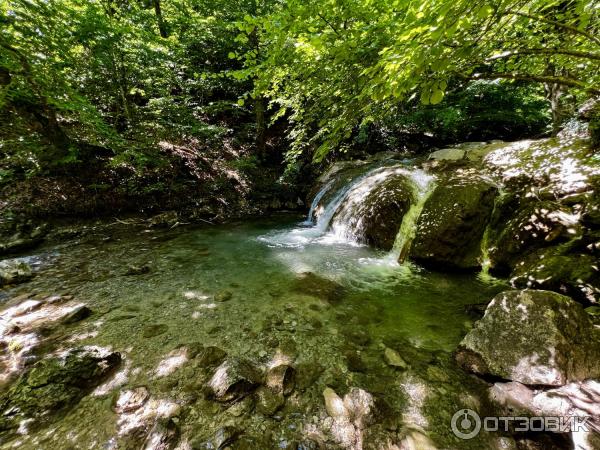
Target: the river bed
(266, 290)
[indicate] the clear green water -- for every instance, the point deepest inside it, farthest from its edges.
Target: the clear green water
(335, 335)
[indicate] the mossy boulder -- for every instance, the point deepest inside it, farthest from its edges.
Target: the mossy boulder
(571, 273)
(452, 224)
(378, 217)
(520, 226)
(533, 337)
(54, 384)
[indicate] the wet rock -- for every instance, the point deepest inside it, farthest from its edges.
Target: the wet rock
(281, 378)
(56, 383)
(452, 154)
(223, 296)
(163, 435)
(233, 380)
(311, 284)
(573, 274)
(378, 216)
(269, 401)
(452, 224)
(18, 236)
(520, 226)
(574, 400)
(334, 404)
(14, 272)
(131, 400)
(350, 416)
(78, 314)
(26, 326)
(533, 337)
(393, 359)
(414, 439)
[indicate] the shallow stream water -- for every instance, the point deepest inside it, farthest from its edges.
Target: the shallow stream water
(288, 291)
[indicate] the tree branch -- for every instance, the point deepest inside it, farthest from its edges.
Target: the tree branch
(535, 78)
(570, 28)
(545, 51)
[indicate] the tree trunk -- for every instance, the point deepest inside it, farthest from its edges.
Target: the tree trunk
(554, 92)
(162, 26)
(261, 126)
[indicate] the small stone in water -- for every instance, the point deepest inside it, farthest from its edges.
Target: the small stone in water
(392, 358)
(223, 296)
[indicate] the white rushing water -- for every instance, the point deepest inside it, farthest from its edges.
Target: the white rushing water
(339, 222)
(424, 185)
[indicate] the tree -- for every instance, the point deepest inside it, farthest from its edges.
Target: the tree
(335, 65)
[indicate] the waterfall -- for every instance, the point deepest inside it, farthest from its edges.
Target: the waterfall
(423, 185)
(348, 193)
(347, 224)
(315, 203)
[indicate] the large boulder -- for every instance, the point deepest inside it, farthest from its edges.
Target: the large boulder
(519, 226)
(452, 223)
(377, 218)
(556, 269)
(533, 337)
(55, 383)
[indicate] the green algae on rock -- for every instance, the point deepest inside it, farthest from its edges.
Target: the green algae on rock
(533, 337)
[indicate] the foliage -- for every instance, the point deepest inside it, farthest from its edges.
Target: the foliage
(335, 65)
(114, 80)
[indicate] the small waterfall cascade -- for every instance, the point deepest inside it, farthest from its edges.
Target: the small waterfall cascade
(314, 206)
(323, 215)
(347, 219)
(423, 185)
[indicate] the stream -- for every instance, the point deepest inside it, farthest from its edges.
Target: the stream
(286, 289)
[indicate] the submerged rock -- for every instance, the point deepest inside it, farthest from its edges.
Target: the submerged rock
(166, 219)
(56, 383)
(223, 296)
(14, 271)
(138, 270)
(351, 416)
(311, 284)
(533, 337)
(234, 379)
(452, 224)
(393, 359)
